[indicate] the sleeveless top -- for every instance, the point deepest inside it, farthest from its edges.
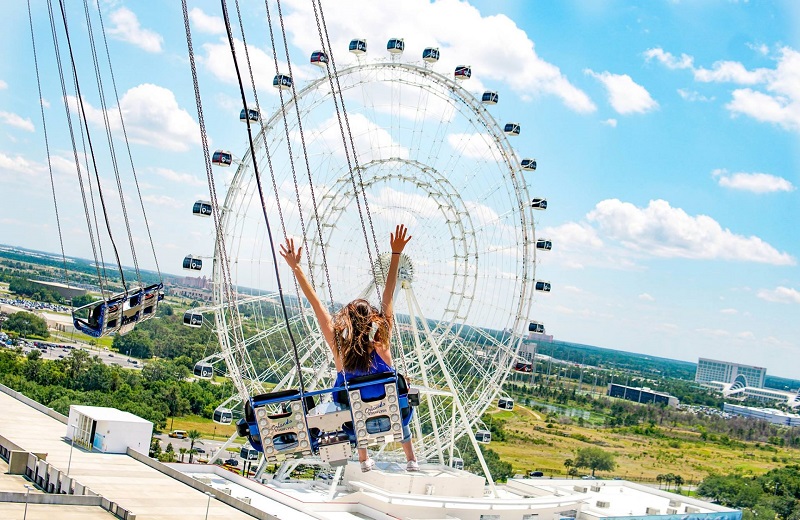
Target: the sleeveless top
(376, 366)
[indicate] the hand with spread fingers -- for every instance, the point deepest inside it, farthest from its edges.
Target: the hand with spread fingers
(399, 238)
(288, 253)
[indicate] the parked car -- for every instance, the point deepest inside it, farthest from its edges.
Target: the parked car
(198, 449)
(178, 434)
(535, 473)
(231, 462)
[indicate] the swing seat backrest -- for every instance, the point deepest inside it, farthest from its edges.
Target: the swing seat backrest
(377, 406)
(278, 421)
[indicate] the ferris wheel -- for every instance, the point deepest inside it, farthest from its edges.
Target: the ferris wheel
(429, 154)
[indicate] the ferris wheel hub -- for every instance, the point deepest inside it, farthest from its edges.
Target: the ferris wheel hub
(405, 271)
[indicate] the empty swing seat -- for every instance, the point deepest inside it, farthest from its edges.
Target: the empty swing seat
(118, 314)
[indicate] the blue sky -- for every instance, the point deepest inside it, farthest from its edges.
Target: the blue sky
(666, 135)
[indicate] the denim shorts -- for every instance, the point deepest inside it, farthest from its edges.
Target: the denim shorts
(382, 424)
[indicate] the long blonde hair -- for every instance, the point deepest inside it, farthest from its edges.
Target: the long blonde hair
(356, 326)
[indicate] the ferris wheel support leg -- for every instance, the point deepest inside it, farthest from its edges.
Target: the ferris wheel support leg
(262, 466)
(222, 449)
(418, 347)
(335, 482)
(456, 400)
(452, 434)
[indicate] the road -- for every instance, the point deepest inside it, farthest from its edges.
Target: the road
(209, 446)
(107, 357)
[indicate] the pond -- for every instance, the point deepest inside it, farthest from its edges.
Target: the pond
(560, 410)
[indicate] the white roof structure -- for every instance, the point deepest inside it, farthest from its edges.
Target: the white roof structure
(101, 413)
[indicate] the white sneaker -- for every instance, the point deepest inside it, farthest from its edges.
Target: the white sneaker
(367, 465)
(412, 465)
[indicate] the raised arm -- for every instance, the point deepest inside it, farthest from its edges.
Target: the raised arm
(293, 258)
(398, 241)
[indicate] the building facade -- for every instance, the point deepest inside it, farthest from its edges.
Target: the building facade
(709, 370)
(641, 395)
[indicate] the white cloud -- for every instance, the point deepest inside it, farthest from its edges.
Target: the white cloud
(3, 85)
(17, 121)
(625, 95)
(691, 95)
(780, 295)
(18, 164)
(186, 179)
(610, 122)
(494, 45)
(162, 200)
(728, 311)
(660, 230)
(45, 103)
(753, 182)
(574, 235)
(770, 96)
(646, 297)
(126, 28)
(206, 23)
(218, 61)
(669, 60)
(152, 117)
(762, 48)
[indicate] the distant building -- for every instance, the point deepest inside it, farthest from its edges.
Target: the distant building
(738, 391)
(66, 291)
(709, 370)
(767, 414)
(641, 395)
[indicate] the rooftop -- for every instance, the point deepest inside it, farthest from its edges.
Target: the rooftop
(101, 413)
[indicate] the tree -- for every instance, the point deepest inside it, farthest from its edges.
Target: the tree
(135, 343)
(595, 459)
(568, 464)
(84, 299)
(26, 324)
(193, 436)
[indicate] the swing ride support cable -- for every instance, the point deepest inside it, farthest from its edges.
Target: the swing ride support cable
(110, 138)
(305, 156)
(85, 122)
(127, 143)
(97, 264)
(226, 288)
(320, 16)
(261, 196)
(47, 144)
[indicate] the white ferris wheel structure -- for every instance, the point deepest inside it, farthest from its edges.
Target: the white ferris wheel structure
(430, 155)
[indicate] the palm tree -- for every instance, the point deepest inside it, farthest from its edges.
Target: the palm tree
(183, 452)
(659, 479)
(678, 481)
(193, 435)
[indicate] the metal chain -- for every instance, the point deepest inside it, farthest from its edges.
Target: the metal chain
(110, 138)
(74, 147)
(263, 201)
(127, 144)
(47, 145)
(85, 122)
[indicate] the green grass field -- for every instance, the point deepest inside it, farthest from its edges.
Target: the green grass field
(532, 445)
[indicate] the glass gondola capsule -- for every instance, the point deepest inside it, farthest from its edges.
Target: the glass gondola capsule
(536, 327)
(223, 415)
(528, 165)
(203, 370)
(483, 436)
(192, 319)
(222, 158)
(251, 113)
(201, 208)
(192, 264)
(542, 286)
(457, 463)
(248, 453)
(319, 58)
(512, 129)
(282, 81)
(430, 54)
(539, 204)
(358, 46)
(396, 45)
(506, 403)
(490, 97)
(543, 244)
(463, 72)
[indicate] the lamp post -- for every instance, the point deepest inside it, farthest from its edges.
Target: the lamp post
(71, 446)
(208, 504)
(27, 492)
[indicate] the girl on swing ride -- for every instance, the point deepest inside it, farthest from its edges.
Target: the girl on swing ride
(359, 334)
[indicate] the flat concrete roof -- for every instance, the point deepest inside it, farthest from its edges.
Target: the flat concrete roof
(50, 512)
(101, 413)
(142, 490)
